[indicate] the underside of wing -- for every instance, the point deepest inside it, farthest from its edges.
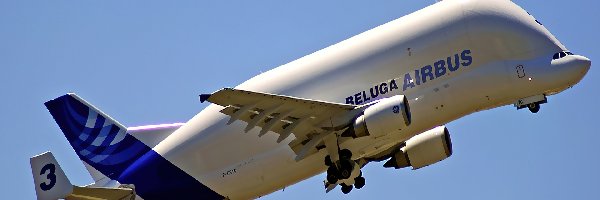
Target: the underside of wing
(306, 119)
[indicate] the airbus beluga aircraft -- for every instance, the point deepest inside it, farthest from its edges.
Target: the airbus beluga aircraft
(395, 87)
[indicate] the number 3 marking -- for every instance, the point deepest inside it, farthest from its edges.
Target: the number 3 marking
(51, 176)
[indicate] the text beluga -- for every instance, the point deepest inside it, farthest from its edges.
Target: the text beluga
(417, 77)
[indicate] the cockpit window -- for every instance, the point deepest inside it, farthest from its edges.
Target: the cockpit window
(561, 54)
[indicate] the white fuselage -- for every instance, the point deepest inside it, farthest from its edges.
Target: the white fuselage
(498, 35)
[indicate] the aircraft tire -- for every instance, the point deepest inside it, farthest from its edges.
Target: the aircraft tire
(345, 170)
(328, 161)
(345, 154)
(359, 182)
(346, 188)
(534, 107)
(332, 176)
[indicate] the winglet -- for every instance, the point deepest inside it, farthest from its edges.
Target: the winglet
(204, 97)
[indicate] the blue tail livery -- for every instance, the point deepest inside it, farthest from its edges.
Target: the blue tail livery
(104, 144)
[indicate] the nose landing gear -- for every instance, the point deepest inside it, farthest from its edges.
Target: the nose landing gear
(532, 103)
(534, 107)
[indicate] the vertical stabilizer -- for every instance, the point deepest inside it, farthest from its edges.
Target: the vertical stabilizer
(113, 156)
(99, 140)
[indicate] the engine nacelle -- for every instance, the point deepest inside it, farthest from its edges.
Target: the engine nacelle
(383, 117)
(424, 149)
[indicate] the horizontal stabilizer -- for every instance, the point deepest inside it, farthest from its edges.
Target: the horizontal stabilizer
(151, 135)
(84, 193)
(50, 180)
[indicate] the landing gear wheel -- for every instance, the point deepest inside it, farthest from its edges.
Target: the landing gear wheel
(346, 168)
(332, 175)
(345, 154)
(328, 161)
(534, 107)
(359, 182)
(344, 174)
(346, 188)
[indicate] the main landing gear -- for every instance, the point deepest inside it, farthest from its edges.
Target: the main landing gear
(345, 171)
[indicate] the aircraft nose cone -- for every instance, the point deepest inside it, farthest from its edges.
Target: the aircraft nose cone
(573, 67)
(581, 64)
(584, 62)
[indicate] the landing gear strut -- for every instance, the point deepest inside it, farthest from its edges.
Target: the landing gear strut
(342, 170)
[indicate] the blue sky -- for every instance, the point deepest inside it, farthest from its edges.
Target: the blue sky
(145, 62)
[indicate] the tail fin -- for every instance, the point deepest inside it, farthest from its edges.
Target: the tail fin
(98, 139)
(50, 180)
(104, 144)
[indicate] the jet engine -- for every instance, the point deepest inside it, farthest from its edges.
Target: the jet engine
(422, 150)
(382, 117)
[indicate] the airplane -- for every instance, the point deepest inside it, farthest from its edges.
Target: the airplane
(382, 95)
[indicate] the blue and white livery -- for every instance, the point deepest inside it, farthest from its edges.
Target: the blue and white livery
(383, 95)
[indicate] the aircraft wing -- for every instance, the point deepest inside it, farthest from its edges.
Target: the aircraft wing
(308, 120)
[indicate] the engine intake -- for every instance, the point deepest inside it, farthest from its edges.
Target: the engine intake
(383, 117)
(423, 150)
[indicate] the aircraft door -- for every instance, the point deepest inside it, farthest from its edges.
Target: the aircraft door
(520, 70)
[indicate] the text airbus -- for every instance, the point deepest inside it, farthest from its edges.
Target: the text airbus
(421, 76)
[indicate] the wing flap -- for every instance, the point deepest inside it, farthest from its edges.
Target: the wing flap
(305, 119)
